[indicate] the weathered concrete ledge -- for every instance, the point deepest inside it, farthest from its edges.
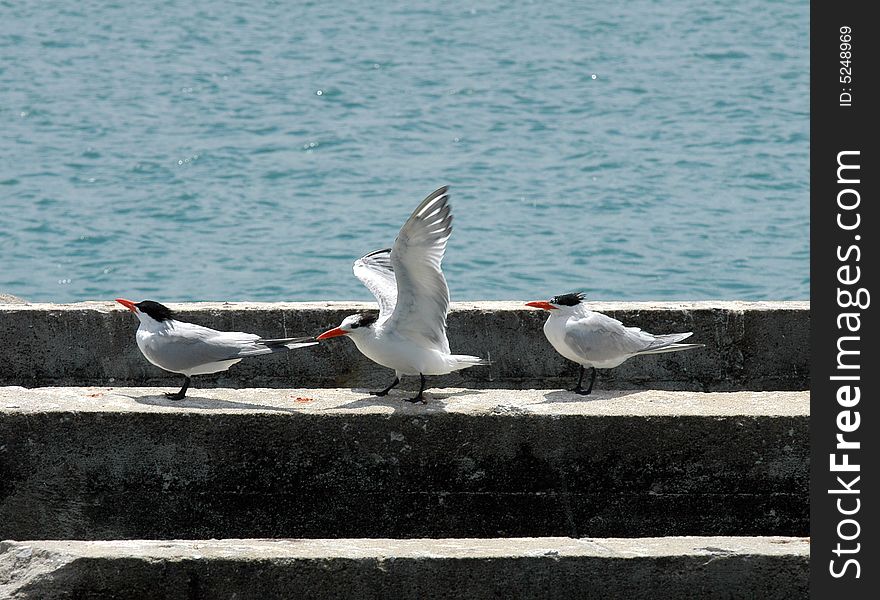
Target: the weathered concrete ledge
(10, 299)
(689, 567)
(123, 463)
(749, 345)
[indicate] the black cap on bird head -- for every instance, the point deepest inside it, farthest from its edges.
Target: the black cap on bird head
(365, 320)
(572, 299)
(154, 310)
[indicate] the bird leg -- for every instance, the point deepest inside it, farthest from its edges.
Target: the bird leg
(419, 397)
(592, 381)
(578, 389)
(388, 389)
(182, 393)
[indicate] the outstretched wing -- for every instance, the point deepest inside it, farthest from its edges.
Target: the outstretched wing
(422, 293)
(376, 272)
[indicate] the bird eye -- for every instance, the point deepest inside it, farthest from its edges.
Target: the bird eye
(355, 325)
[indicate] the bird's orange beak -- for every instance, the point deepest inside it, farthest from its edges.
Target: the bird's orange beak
(127, 304)
(332, 333)
(541, 304)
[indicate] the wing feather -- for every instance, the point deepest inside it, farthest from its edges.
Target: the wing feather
(422, 293)
(187, 346)
(599, 338)
(377, 273)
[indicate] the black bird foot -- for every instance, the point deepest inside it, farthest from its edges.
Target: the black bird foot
(181, 393)
(388, 389)
(419, 397)
(578, 389)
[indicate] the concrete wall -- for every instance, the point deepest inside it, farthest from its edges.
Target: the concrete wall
(705, 567)
(751, 346)
(91, 463)
(305, 459)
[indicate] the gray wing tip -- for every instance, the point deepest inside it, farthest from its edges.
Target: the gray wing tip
(377, 258)
(285, 341)
(441, 193)
(689, 346)
(375, 253)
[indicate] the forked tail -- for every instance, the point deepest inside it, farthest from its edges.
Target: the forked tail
(671, 348)
(278, 345)
(669, 343)
(463, 361)
(281, 344)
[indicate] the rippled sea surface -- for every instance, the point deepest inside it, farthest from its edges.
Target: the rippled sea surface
(234, 150)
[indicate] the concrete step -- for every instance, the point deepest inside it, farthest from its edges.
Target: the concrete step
(749, 345)
(126, 463)
(676, 567)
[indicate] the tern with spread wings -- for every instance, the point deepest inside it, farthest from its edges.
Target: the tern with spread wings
(409, 333)
(594, 340)
(191, 349)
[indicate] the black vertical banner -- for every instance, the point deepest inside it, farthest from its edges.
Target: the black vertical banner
(844, 226)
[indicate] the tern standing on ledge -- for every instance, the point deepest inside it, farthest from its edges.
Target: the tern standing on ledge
(595, 340)
(191, 349)
(409, 335)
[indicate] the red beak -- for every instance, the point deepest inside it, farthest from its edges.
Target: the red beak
(541, 304)
(331, 334)
(127, 304)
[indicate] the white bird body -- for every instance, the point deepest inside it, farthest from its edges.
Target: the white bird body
(190, 349)
(391, 349)
(598, 341)
(409, 334)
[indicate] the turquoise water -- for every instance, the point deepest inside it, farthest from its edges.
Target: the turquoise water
(233, 150)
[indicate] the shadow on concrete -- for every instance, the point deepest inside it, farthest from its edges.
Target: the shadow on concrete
(206, 403)
(559, 396)
(467, 392)
(397, 399)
